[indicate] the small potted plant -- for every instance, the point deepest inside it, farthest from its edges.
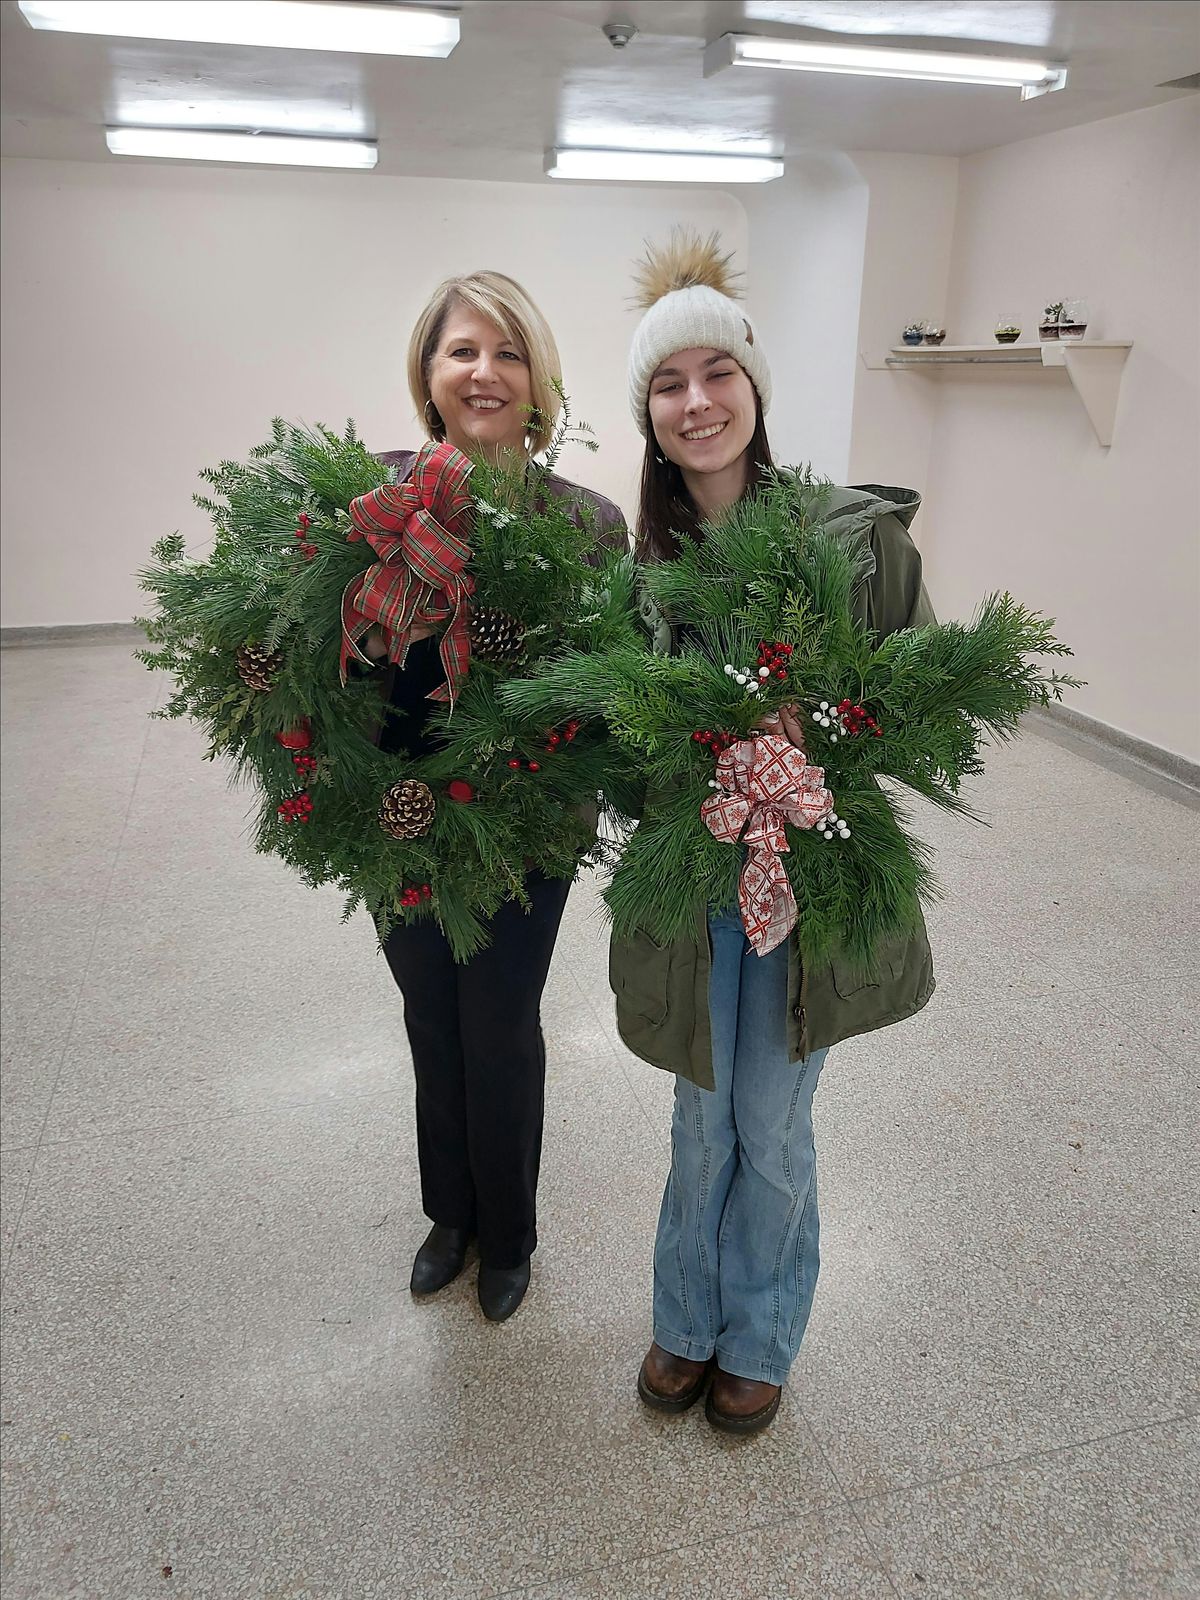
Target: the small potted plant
(1048, 327)
(1008, 328)
(914, 333)
(1072, 324)
(934, 333)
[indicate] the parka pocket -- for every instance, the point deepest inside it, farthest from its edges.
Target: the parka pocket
(638, 974)
(850, 980)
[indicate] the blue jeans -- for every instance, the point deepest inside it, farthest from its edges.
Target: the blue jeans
(736, 1257)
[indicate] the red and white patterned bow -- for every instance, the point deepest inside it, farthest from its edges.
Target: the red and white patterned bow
(419, 531)
(765, 782)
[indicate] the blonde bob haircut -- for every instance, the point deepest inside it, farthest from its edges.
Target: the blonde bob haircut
(504, 303)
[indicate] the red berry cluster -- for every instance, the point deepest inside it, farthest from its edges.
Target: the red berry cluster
(298, 808)
(414, 895)
(857, 719)
(304, 764)
(557, 739)
(775, 657)
(529, 766)
(716, 742)
(307, 550)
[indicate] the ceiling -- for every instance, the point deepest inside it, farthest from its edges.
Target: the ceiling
(532, 73)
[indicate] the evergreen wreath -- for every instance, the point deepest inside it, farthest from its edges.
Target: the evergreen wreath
(763, 605)
(254, 638)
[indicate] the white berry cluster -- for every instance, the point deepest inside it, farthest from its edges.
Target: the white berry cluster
(827, 717)
(832, 824)
(750, 679)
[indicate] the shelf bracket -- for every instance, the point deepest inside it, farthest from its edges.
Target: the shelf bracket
(1095, 372)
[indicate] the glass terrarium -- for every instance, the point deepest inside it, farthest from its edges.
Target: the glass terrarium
(1073, 320)
(1048, 326)
(1008, 327)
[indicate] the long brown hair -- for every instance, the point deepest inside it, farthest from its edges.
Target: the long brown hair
(666, 512)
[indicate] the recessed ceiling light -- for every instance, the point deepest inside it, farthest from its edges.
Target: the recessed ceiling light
(382, 30)
(285, 150)
(880, 61)
(661, 166)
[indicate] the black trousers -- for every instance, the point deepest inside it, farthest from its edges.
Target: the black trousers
(481, 1069)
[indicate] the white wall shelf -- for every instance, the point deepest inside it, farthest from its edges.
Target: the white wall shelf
(1094, 367)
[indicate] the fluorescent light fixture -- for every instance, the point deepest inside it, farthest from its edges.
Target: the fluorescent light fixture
(285, 150)
(880, 61)
(302, 114)
(377, 30)
(661, 166)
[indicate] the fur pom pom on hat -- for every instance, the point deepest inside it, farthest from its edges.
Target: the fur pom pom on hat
(687, 288)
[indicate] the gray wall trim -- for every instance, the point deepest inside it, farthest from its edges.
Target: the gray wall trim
(76, 633)
(1086, 734)
(1137, 757)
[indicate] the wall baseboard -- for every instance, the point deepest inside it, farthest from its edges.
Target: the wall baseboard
(75, 633)
(1088, 735)
(1137, 758)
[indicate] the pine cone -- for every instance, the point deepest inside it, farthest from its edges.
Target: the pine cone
(494, 636)
(407, 809)
(257, 667)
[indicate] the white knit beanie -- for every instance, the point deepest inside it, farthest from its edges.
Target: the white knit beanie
(688, 290)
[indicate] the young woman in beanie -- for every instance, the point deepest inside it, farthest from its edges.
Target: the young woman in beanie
(736, 1255)
(482, 367)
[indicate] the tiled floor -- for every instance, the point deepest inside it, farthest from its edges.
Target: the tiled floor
(217, 1386)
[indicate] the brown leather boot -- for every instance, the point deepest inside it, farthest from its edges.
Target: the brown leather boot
(672, 1383)
(741, 1405)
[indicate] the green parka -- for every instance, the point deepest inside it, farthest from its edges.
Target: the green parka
(662, 990)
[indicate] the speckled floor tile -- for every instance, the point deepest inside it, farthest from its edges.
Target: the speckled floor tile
(16, 1166)
(85, 722)
(189, 1034)
(1114, 1520)
(212, 1357)
(79, 696)
(1100, 885)
(821, 1555)
(196, 1006)
(36, 1022)
(199, 998)
(992, 1186)
(212, 1362)
(1158, 1006)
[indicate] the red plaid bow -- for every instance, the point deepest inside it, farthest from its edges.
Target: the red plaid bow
(419, 531)
(765, 782)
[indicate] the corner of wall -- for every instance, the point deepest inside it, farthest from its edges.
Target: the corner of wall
(911, 208)
(806, 243)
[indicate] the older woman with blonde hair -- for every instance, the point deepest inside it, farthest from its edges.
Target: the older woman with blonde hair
(482, 369)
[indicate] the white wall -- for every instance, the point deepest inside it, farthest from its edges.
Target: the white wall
(905, 277)
(807, 244)
(1020, 495)
(155, 318)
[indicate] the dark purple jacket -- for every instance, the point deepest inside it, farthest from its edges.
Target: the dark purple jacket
(610, 520)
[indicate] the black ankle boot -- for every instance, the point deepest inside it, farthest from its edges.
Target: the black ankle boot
(440, 1259)
(501, 1290)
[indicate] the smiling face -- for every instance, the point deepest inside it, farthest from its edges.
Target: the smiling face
(703, 409)
(479, 383)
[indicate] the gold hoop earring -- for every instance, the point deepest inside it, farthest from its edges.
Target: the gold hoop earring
(434, 424)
